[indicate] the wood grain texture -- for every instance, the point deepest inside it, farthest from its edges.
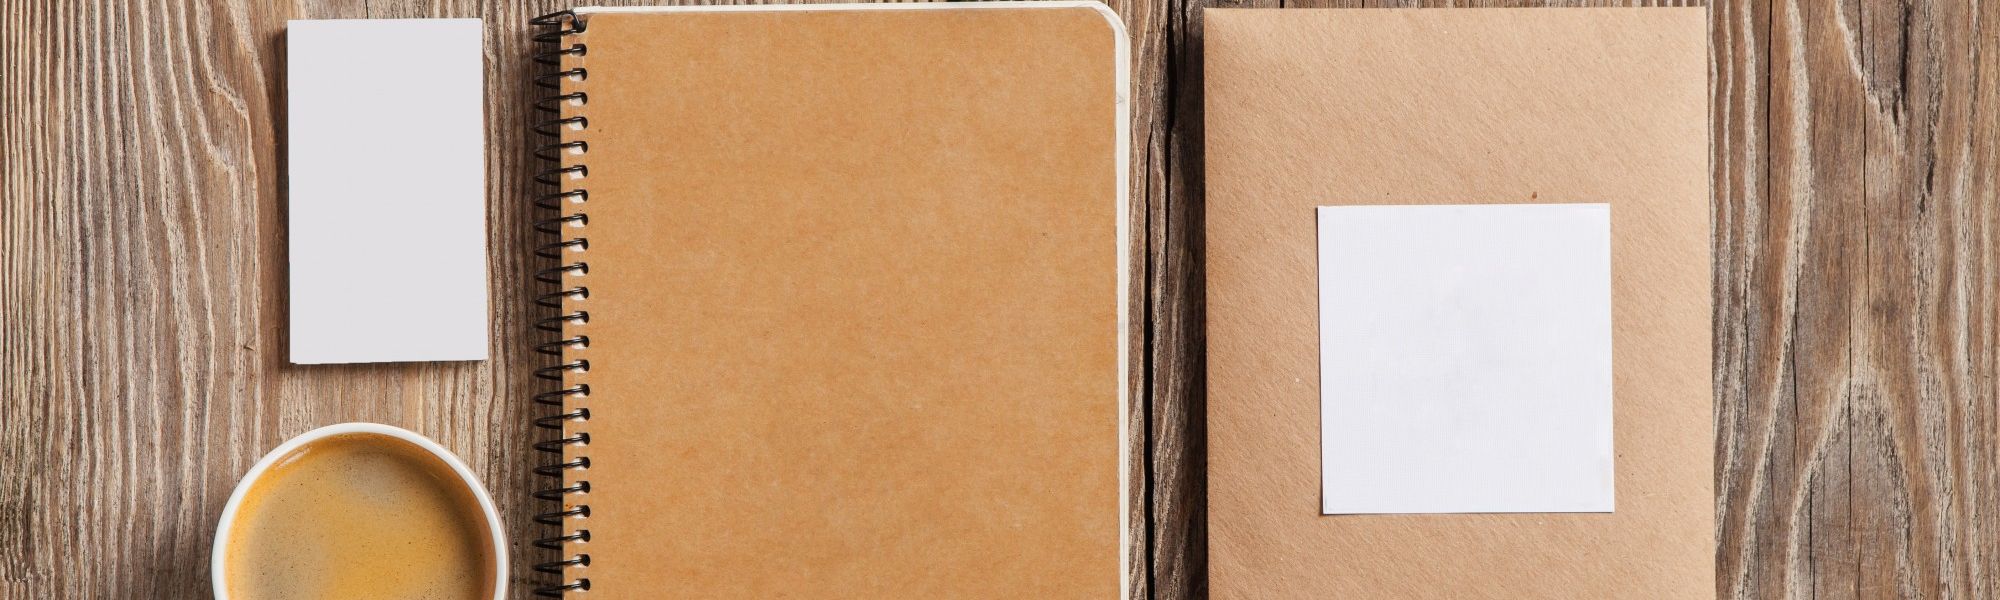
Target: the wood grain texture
(1856, 148)
(1855, 216)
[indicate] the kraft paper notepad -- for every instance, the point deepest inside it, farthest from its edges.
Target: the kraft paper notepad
(1398, 108)
(843, 300)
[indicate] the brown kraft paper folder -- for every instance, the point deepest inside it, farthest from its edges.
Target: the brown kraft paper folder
(857, 318)
(1329, 107)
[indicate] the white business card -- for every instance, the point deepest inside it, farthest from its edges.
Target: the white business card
(387, 194)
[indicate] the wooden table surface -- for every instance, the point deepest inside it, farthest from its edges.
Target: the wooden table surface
(142, 309)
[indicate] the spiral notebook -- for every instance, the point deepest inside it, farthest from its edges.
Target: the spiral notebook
(1518, 107)
(842, 296)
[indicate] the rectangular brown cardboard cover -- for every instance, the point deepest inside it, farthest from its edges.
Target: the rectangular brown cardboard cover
(856, 308)
(1326, 107)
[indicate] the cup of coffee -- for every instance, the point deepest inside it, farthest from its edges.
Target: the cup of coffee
(359, 510)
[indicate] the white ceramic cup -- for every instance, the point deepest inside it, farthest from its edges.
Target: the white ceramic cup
(219, 575)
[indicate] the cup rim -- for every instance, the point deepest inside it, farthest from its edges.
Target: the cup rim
(218, 549)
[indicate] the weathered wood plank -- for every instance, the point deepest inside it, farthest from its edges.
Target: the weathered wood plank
(1855, 285)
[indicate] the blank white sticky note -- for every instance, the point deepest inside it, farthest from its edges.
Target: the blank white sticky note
(1465, 358)
(386, 147)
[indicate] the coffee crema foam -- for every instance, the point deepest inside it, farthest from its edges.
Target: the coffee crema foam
(359, 516)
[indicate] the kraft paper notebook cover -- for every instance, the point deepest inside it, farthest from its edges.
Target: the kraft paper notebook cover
(1308, 108)
(843, 301)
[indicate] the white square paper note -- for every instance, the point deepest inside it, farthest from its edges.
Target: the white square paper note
(387, 191)
(1465, 358)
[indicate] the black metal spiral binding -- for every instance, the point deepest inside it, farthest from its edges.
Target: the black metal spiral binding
(554, 45)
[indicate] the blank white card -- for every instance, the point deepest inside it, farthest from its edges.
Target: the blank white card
(388, 190)
(1465, 358)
